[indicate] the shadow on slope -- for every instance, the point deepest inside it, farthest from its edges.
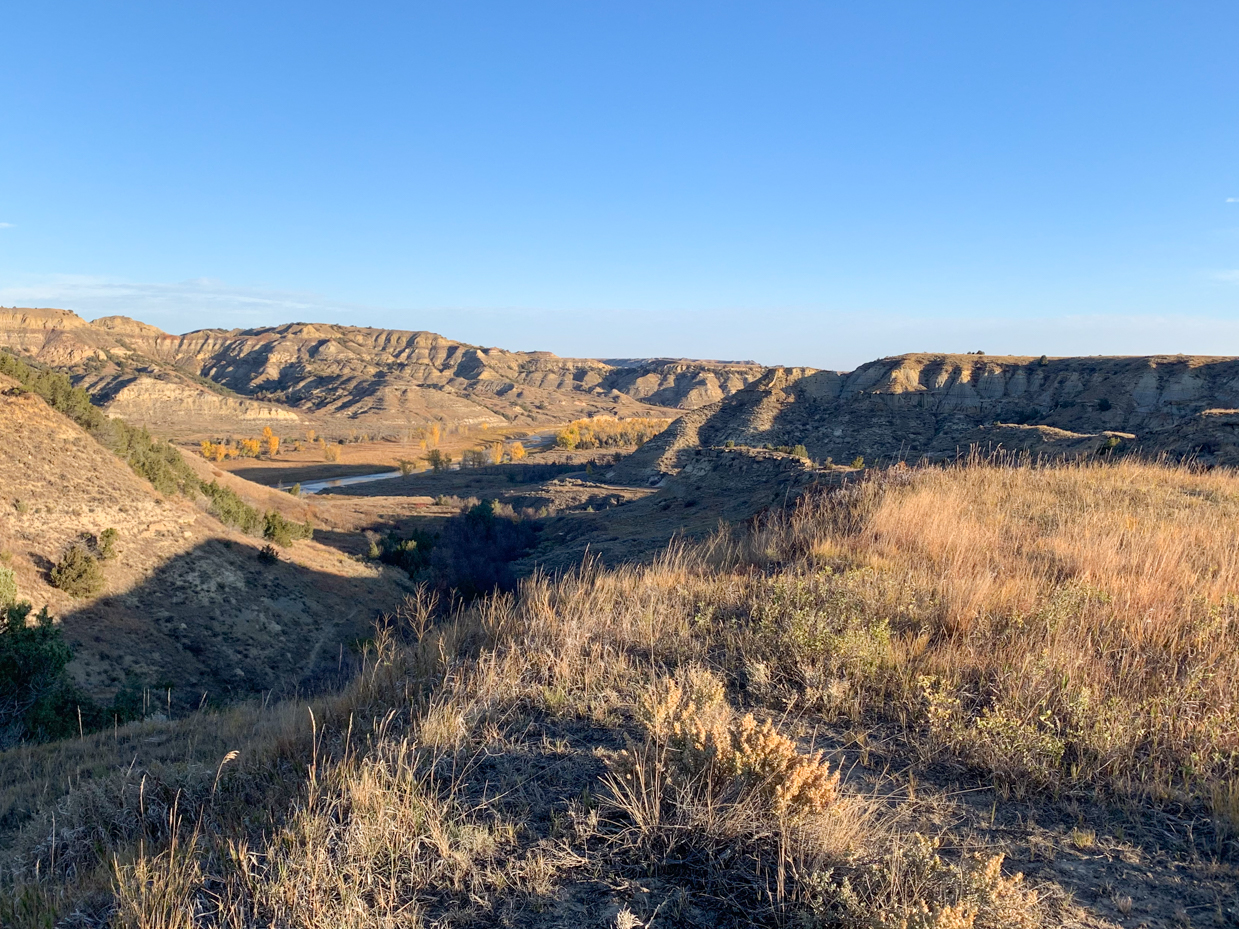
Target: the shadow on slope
(219, 623)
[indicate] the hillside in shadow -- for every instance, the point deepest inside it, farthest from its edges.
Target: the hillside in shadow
(219, 623)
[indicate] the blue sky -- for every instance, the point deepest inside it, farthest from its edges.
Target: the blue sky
(816, 183)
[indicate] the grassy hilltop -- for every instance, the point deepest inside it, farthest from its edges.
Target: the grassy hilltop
(983, 695)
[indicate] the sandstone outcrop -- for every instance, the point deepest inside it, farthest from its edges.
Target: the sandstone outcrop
(381, 378)
(941, 406)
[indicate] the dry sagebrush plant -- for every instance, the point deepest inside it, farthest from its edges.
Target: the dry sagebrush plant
(708, 742)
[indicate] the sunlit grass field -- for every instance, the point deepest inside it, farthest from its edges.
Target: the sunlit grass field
(1050, 631)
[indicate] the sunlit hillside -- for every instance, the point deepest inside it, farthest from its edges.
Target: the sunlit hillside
(964, 696)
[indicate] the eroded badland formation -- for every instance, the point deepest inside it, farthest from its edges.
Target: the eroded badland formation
(947, 640)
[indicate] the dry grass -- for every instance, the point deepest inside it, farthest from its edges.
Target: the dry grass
(1054, 629)
(1063, 625)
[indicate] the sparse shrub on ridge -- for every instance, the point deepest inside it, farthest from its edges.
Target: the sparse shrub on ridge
(228, 507)
(284, 532)
(78, 573)
(8, 587)
(153, 459)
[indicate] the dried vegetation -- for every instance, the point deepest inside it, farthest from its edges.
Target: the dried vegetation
(637, 746)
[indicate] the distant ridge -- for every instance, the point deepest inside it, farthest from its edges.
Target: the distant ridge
(382, 379)
(936, 406)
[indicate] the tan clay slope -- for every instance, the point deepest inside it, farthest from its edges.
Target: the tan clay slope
(129, 384)
(938, 406)
(187, 601)
(387, 378)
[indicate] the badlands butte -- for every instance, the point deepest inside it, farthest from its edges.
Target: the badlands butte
(380, 382)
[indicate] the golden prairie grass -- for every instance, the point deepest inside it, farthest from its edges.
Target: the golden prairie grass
(1052, 628)
(1079, 620)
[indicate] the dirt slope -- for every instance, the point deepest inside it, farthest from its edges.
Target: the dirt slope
(385, 379)
(939, 406)
(187, 602)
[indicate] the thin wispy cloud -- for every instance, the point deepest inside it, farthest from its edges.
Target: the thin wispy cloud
(814, 336)
(6, 226)
(1232, 199)
(177, 306)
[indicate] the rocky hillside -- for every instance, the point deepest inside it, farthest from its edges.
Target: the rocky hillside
(378, 378)
(186, 602)
(939, 406)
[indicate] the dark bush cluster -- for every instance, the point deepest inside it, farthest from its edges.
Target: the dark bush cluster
(226, 506)
(78, 573)
(472, 555)
(410, 552)
(38, 700)
(798, 450)
(474, 551)
(537, 473)
(281, 531)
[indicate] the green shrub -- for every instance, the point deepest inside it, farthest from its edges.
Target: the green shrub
(8, 587)
(800, 451)
(38, 700)
(411, 553)
(858, 462)
(268, 555)
(107, 544)
(281, 531)
(230, 509)
(78, 573)
(32, 678)
(437, 460)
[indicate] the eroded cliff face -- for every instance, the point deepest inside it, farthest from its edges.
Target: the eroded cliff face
(386, 378)
(941, 406)
(170, 406)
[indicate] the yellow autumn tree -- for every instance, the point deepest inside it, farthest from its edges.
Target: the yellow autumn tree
(271, 440)
(516, 451)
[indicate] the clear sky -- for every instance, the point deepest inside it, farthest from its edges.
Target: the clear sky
(797, 183)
